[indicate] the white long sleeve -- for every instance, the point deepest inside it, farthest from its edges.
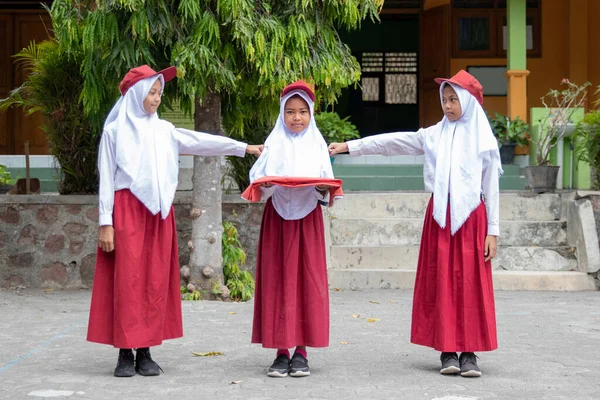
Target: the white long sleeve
(184, 141)
(491, 192)
(205, 144)
(389, 144)
(107, 167)
(414, 143)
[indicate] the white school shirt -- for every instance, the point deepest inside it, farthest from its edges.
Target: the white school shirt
(289, 154)
(185, 141)
(412, 143)
(293, 203)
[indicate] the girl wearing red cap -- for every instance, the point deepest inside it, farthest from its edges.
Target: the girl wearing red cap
(291, 307)
(135, 298)
(453, 304)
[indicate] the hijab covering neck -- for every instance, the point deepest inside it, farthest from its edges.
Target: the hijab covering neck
(465, 147)
(289, 154)
(141, 143)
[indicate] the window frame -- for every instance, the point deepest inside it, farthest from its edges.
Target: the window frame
(495, 17)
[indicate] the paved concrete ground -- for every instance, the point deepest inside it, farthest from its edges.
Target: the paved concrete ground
(549, 349)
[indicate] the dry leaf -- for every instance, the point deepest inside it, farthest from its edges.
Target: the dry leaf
(373, 301)
(232, 312)
(373, 319)
(336, 289)
(209, 354)
(344, 342)
(235, 382)
(356, 315)
(48, 290)
(393, 301)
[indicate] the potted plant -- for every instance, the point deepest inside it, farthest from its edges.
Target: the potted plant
(5, 180)
(554, 126)
(336, 129)
(509, 135)
(586, 139)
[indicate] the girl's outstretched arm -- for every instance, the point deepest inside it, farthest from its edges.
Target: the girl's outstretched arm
(207, 145)
(386, 144)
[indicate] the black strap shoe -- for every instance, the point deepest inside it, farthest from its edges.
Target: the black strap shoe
(145, 365)
(125, 365)
(299, 366)
(280, 367)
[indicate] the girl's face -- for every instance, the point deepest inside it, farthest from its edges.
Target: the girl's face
(296, 114)
(451, 104)
(152, 101)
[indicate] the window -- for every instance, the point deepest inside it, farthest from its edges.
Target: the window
(480, 28)
(389, 78)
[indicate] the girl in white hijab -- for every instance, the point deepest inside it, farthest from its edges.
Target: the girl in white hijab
(291, 306)
(135, 297)
(453, 307)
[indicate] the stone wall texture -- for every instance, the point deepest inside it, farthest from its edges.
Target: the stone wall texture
(50, 241)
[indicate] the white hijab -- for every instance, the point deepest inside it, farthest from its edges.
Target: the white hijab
(302, 154)
(460, 149)
(142, 148)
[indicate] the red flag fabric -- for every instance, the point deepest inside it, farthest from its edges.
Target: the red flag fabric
(252, 193)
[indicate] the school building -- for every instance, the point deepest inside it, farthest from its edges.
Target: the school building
(519, 49)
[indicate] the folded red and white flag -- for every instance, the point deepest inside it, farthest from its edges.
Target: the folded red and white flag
(252, 193)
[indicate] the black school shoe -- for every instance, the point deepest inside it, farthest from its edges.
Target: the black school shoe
(468, 365)
(299, 366)
(144, 364)
(280, 367)
(450, 364)
(125, 364)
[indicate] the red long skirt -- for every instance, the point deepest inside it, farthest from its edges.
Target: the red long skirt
(135, 298)
(291, 303)
(453, 303)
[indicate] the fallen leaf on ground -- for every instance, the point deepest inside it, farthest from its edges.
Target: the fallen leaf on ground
(48, 290)
(209, 354)
(356, 315)
(232, 312)
(374, 301)
(235, 382)
(342, 342)
(336, 289)
(393, 301)
(373, 319)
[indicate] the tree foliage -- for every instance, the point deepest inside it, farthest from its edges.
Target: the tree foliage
(247, 50)
(53, 88)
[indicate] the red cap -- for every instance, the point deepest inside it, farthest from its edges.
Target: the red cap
(466, 81)
(299, 85)
(137, 74)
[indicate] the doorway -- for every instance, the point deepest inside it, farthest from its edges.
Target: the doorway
(387, 98)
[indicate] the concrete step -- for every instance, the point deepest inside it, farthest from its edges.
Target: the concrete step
(377, 257)
(367, 232)
(406, 258)
(513, 206)
(360, 279)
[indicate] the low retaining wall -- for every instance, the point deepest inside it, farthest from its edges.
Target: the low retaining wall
(50, 241)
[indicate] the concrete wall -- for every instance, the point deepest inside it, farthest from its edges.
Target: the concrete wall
(50, 241)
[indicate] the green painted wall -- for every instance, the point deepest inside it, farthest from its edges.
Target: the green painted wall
(517, 50)
(580, 179)
(177, 118)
